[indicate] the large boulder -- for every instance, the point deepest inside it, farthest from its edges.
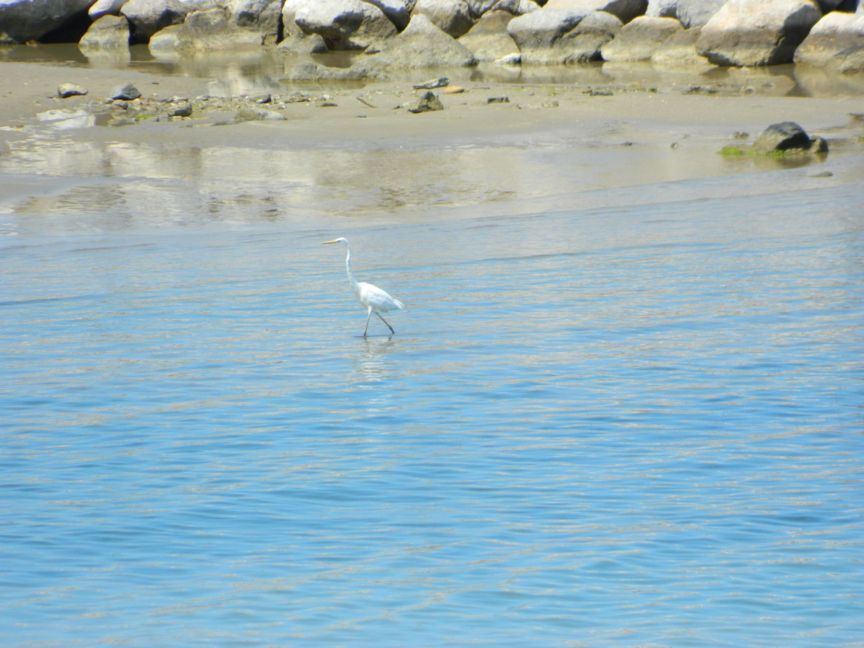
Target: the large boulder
(344, 24)
(640, 38)
(454, 17)
(757, 32)
(836, 41)
(679, 50)
(696, 13)
(624, 10)
(106, 33)
(488, 39)
(146, 17)
(421, 44)
(24, 20)
(556, 36)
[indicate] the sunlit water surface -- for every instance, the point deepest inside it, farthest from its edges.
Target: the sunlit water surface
(632, 425)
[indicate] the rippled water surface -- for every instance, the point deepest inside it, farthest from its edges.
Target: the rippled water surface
(631, 425)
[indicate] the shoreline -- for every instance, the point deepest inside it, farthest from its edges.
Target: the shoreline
(357, 150)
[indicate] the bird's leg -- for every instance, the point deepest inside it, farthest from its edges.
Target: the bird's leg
(366, 330)
(392, 332)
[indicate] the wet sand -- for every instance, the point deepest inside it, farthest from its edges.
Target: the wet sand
(355, 149)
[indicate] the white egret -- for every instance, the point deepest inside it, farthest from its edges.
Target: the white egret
(375, 299)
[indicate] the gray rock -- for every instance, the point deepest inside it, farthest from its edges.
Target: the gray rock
(488, 38)
(836, 41)
(480, 7)
(421, 45)
(107, 33)
(640, 38)
(542, 30)
(302, 44)
(679, 50)
(182, 109)
(398, 11)
(146, 17)
(126, 92)
(453, 17)
(788, 136)
(105, 8)
(514, 7)
(695, 13)
(662, 9)
(167, 43)
(428, 102)
(258, 16)
(555, 36)
(65, 90)
(624, 10)
(311, 71)
(757, 32)
(439, 82)
(24, 20)
(344, 24)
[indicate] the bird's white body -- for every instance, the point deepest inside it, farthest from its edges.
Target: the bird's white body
(373, 298)
(380, 301)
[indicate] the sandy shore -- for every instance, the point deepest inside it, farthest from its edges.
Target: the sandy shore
(357, 149)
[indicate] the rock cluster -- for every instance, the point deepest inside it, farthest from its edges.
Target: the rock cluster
(421, 33)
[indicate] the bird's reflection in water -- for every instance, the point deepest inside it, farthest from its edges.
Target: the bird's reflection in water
(374, 374)
(371, 363)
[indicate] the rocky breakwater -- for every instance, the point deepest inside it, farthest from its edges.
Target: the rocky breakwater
(421, 33)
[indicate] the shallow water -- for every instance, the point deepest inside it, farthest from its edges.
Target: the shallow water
(241, 72)
(631, 423)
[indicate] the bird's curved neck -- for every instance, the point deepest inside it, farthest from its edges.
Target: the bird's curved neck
(350, 274)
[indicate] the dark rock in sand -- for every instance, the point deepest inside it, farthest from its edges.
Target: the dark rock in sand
(126, 92)
(788, 136)
(428, 102)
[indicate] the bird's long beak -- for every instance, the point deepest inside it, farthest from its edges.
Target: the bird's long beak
(330, 242)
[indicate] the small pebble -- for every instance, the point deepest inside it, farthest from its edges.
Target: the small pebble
(65, 90)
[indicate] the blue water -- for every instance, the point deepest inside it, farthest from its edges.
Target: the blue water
(635, 425)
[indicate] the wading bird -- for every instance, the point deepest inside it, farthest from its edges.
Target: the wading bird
(372, 297)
